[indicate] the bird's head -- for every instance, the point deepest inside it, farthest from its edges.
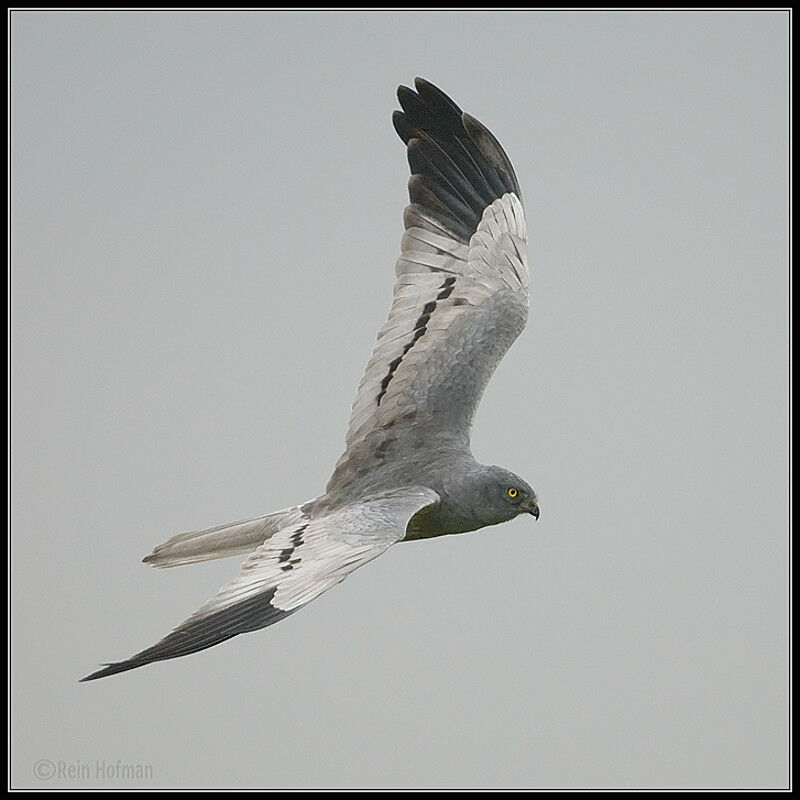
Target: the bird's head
(506, 495)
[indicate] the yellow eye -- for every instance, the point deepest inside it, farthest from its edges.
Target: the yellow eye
(512, 492)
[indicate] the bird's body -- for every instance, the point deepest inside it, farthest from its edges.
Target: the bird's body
(454, 474)
(407, 472)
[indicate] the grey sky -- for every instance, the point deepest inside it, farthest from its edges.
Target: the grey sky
(206, 211)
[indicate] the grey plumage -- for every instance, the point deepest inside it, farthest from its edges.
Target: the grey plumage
(407, 472)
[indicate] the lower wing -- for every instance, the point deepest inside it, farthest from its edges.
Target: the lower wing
(295, 565)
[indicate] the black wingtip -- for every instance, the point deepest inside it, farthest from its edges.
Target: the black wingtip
(401, 126)
(201, 632)
(458, 167)
(434, 96)
(422, 86)
(111, 669)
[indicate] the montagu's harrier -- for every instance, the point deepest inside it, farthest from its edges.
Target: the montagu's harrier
(407, 472)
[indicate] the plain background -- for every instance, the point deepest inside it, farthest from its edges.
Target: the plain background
(206, 214)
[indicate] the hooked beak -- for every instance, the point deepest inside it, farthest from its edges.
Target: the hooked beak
(533, 508)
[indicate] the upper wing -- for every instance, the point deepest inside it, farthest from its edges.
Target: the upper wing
(297, 564)
(461, 297)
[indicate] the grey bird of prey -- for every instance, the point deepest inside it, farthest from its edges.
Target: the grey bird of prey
(460, 300)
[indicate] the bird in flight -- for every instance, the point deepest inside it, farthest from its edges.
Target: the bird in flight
(407, 472)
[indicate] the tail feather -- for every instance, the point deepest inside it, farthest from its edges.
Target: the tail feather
(222, 541)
